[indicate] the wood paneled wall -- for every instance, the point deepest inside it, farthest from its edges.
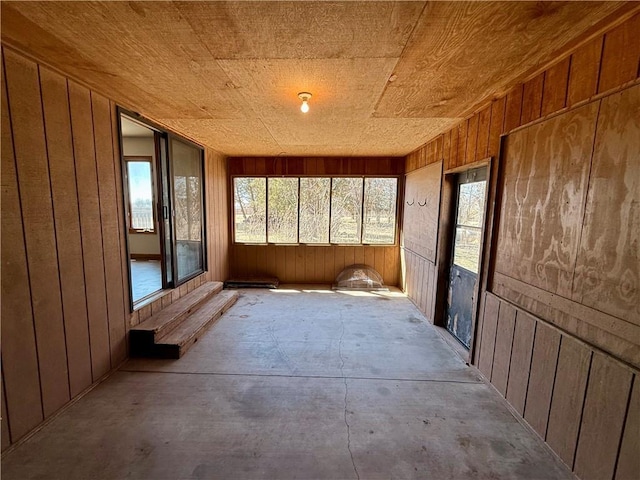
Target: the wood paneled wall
(558, 333)
(318, 264)
(65, 293)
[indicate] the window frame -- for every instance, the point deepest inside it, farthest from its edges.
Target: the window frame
(329, 244)
(148, 159)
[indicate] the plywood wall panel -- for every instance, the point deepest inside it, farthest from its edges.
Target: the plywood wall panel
(602, 419)
(20, 371)
(513, 109)
(89, 205)
(463, 128)
(65, 201)
(489, 328)
(472, 139)
(554, 95)
(503, 347)
(496, 127)
(546, 166)
(5, 439)
(620, 55)
(111, 225)
(453, 148)
(29, 142)
(628, 464)
(584, 71)
(532, 99)
(568, 397)
(484, 125)
(543, 368)
(607, 272)
(522, 348)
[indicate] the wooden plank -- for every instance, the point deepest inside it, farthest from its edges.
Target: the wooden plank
(607, 257)
(111, 225)
(554, 95)
(391, 255)
(620, 55)
(513, 109)
(5, 440)
(370, 256)
(543, 369)
(532, 99)
(519, 370)
(420, 290)
(463, 128)
(496, 127)
(281, 262)
(309, 264)
(89, 203)
(484, 125)
(453, 149)
(358, 255)
(488, 339)
(20, 373)
(379, 262)
(503, 347)
(29, 142)
(472, 140)
(605, 406)
(584, 71)
(67, 221)
(329, 264)
(628, 464)
(568, 398)
(446, 148)
(290, 265)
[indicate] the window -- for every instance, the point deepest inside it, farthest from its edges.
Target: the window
(141, 196)
(315, 210)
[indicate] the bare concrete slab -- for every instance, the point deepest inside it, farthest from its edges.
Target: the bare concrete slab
(293, 385)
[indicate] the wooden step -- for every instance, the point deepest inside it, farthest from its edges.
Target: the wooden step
(144, 335)
(178, 341)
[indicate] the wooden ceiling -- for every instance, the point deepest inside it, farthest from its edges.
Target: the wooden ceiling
(385, 76)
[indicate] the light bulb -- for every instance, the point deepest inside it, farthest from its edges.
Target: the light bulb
(304, 96)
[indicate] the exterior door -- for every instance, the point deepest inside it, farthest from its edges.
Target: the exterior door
(465, 257)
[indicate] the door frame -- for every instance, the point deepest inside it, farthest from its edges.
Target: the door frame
(448, 202)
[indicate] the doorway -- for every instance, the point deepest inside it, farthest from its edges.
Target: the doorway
(470, 202)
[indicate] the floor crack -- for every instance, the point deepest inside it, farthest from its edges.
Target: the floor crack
(346, 395)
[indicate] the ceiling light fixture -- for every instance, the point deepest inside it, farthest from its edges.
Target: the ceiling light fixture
(304, 96)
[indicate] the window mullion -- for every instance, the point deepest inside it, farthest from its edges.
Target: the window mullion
(362, 211)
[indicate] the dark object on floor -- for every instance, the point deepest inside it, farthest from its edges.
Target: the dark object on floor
(257, 282)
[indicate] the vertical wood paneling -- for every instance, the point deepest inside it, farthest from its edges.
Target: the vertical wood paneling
(543, 368)
(554, 95)
(628, 464)
(532, 99)
(496, 127)
(602, 419)
(502, 350)
(620, 55)
(488, 339)
(65, 200)
(568, 398)
(5, 440)
(110, 223)
(30, 149)
(472, 140)
(584, 71)
(484, 125)
(19, 358)
(89, 203)
(453, 149)
(463, 128)
(522, 348)
(513, 109)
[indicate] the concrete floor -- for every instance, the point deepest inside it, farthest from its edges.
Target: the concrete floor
(288, 384)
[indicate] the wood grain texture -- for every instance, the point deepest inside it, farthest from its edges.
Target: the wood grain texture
(65, 201)
(463, 128)
(554, 95)
(628, 464)
(484, 125)
(584, 71)
(541, 377)
(603, 418)
(421, 210)
(29, 142)
(21, 376)
(5, 440)
(546, 165)
(496, 127)
(620, 55)
(472, 140)
(607, 272)
(568, 397)
(532, 99)
(522, 347)
(89, 205)
(489, 328)
(503, 347)
(513, 110)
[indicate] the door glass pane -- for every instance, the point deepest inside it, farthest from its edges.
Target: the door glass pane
(141, 195)
(346, 210)
(467, 248)
(314, 210)
(250, 209)
(379, 210)
(283, 210)
(471, 204)
(187, 186)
